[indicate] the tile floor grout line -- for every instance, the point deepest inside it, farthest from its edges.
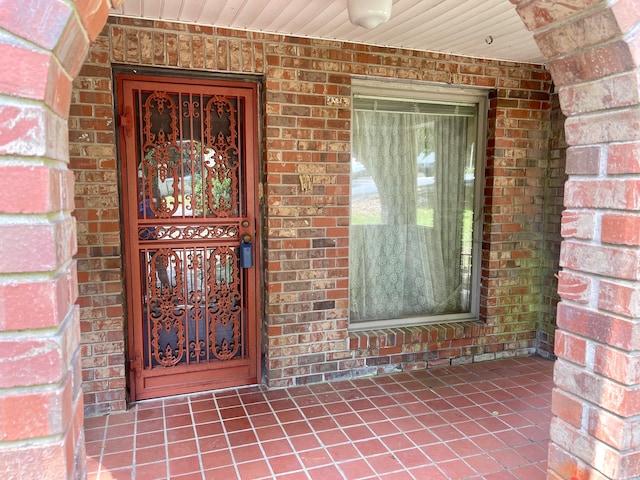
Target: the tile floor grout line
(364, 423)
(166, 439)
(134, 447)
(390, 451)
(316, 433)
(258, 441)
(226, 434)
(444, 441)
(197, 438)
(102, 448)
(312, 428)
(287, 437)
(508, 448)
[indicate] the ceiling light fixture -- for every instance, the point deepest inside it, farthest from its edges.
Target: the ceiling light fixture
(369, 13)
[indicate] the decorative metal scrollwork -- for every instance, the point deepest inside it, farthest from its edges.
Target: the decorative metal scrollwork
(221, 156)
(166, 307)
(191, 109)
(160, 162)
(188, 188)
(176, 232)
(194, 308)
(224, 304)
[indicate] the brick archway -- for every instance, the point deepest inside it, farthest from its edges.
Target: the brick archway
(593, 52)
(599, 318)
(41, 413)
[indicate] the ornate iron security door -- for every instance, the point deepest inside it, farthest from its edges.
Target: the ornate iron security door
(189, 166)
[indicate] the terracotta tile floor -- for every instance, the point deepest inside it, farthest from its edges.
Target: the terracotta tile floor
(482, 421)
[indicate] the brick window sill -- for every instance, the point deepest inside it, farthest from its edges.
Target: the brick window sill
(420, 347)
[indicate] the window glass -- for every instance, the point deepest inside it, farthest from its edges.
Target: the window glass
(413, 202)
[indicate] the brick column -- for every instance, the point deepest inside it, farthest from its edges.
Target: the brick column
(593, 52)
(41, 415)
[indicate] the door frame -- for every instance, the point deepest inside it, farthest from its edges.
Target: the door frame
(254, 292)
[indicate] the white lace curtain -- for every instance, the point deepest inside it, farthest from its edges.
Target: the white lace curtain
(398, 267)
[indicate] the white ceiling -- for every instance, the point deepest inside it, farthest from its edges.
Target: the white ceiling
(476, 28)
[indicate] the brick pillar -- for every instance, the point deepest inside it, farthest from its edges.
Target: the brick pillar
(41, 414)
(593, 52)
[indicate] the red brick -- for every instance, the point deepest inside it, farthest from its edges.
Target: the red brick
(22, 257)
(29, 130)
(578, 224)
(619, 399)
(583, 160)
(565, 466)
(623, 367)
(542, 13)
(592, 64)
(94, 14)
(623, 263)
(610, 126)
(53, 243)
(37, 304)
(619, 298)
(611, 92)
(613, 430)
(621, 229)
(617, 194)
(578, 34)
(623, 158)
(574, 287)
(35, 414)
(76, 454)
(604, 328)
(18, 461)
(570, 347)
(32, 361)
(42, 26)
(284, 160)
(27, 78)
(627, 14)
(568, 407)
(571, 449)
(441, 362)
(29, 189)
(71, 49)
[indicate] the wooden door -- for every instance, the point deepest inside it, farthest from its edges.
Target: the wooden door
(188, 154)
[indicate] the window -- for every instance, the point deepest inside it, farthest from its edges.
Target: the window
(415, 205)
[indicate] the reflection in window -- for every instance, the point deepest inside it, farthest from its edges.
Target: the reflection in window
(177, 180)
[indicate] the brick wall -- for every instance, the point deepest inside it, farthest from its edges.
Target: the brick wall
(307, 138)
(92, 153)
(593, 53)
(517, 159)
(555, 178)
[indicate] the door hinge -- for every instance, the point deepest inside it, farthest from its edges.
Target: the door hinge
(135, 365)
(126, 118)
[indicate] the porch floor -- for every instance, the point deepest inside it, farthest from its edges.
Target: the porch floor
(486, 420)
